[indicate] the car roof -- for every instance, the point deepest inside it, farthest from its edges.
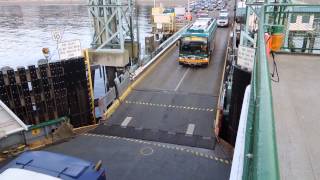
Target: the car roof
(53, 164)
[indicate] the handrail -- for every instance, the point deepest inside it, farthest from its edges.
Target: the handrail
(161, 49)
(165, 44)
(260, 155)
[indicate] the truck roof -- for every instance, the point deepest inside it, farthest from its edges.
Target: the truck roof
(56, 165)
(18, 174)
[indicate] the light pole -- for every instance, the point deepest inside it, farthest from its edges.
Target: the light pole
(154, 3)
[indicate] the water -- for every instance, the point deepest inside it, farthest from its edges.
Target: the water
(26, 29)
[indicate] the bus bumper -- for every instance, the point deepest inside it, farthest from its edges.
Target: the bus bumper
(196, 62)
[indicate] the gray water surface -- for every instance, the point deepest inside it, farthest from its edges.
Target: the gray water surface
(26, 29)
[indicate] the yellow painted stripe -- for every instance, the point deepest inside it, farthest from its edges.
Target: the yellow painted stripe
(87, 62)
(195, 153)
(111, 109)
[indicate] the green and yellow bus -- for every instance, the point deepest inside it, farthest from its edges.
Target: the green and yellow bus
(196, 43)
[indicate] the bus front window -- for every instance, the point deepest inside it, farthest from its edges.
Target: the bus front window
(193, 47)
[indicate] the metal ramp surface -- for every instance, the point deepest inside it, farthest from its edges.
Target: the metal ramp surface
(157, 135)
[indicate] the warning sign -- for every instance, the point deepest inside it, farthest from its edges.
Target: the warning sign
(246, 57)
(69, 49)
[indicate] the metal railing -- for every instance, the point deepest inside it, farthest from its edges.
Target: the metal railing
(260, 151)
(148, 60)
(301, 24)
(164, 45)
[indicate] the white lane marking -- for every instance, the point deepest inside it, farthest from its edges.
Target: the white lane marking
(126, 121)
(190, 129)
(180, 82)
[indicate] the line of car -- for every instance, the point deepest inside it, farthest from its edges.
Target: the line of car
(202, 7)
(209, 5)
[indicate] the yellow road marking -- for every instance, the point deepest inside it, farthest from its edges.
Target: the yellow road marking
(195, 153)
(170, 106)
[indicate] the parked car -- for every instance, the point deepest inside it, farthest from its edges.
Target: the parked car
(36, 165)
(202, 15)
(224, 11)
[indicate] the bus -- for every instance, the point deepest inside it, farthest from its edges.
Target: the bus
(196, 43)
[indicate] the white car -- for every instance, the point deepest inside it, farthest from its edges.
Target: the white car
(223, 19)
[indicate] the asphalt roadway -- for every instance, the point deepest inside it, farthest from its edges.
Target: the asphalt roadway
(171, 104)
(173, 97)
(158, 103)
(131, 159)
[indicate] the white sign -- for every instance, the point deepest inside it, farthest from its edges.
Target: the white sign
(246, 57)
(69, 49)
(56, 35)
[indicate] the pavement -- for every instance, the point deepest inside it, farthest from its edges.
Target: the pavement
(174, 98)
(126, 159)
(171, 107)
(155, 133)
(296, 107)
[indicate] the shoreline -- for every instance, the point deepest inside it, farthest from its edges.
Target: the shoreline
(84, 2)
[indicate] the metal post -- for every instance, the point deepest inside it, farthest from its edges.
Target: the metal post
(138, 36)
(87, 62)
(111, 21)
(131, 35)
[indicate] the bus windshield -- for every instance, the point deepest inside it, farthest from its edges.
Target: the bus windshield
(193, 47)
(223, 17)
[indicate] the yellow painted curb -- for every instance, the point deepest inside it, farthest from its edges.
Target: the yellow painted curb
(217, 123)
(84, 128)
(111, 109)
(117, 102)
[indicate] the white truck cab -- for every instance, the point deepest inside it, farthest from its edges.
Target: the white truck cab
(223, 19)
